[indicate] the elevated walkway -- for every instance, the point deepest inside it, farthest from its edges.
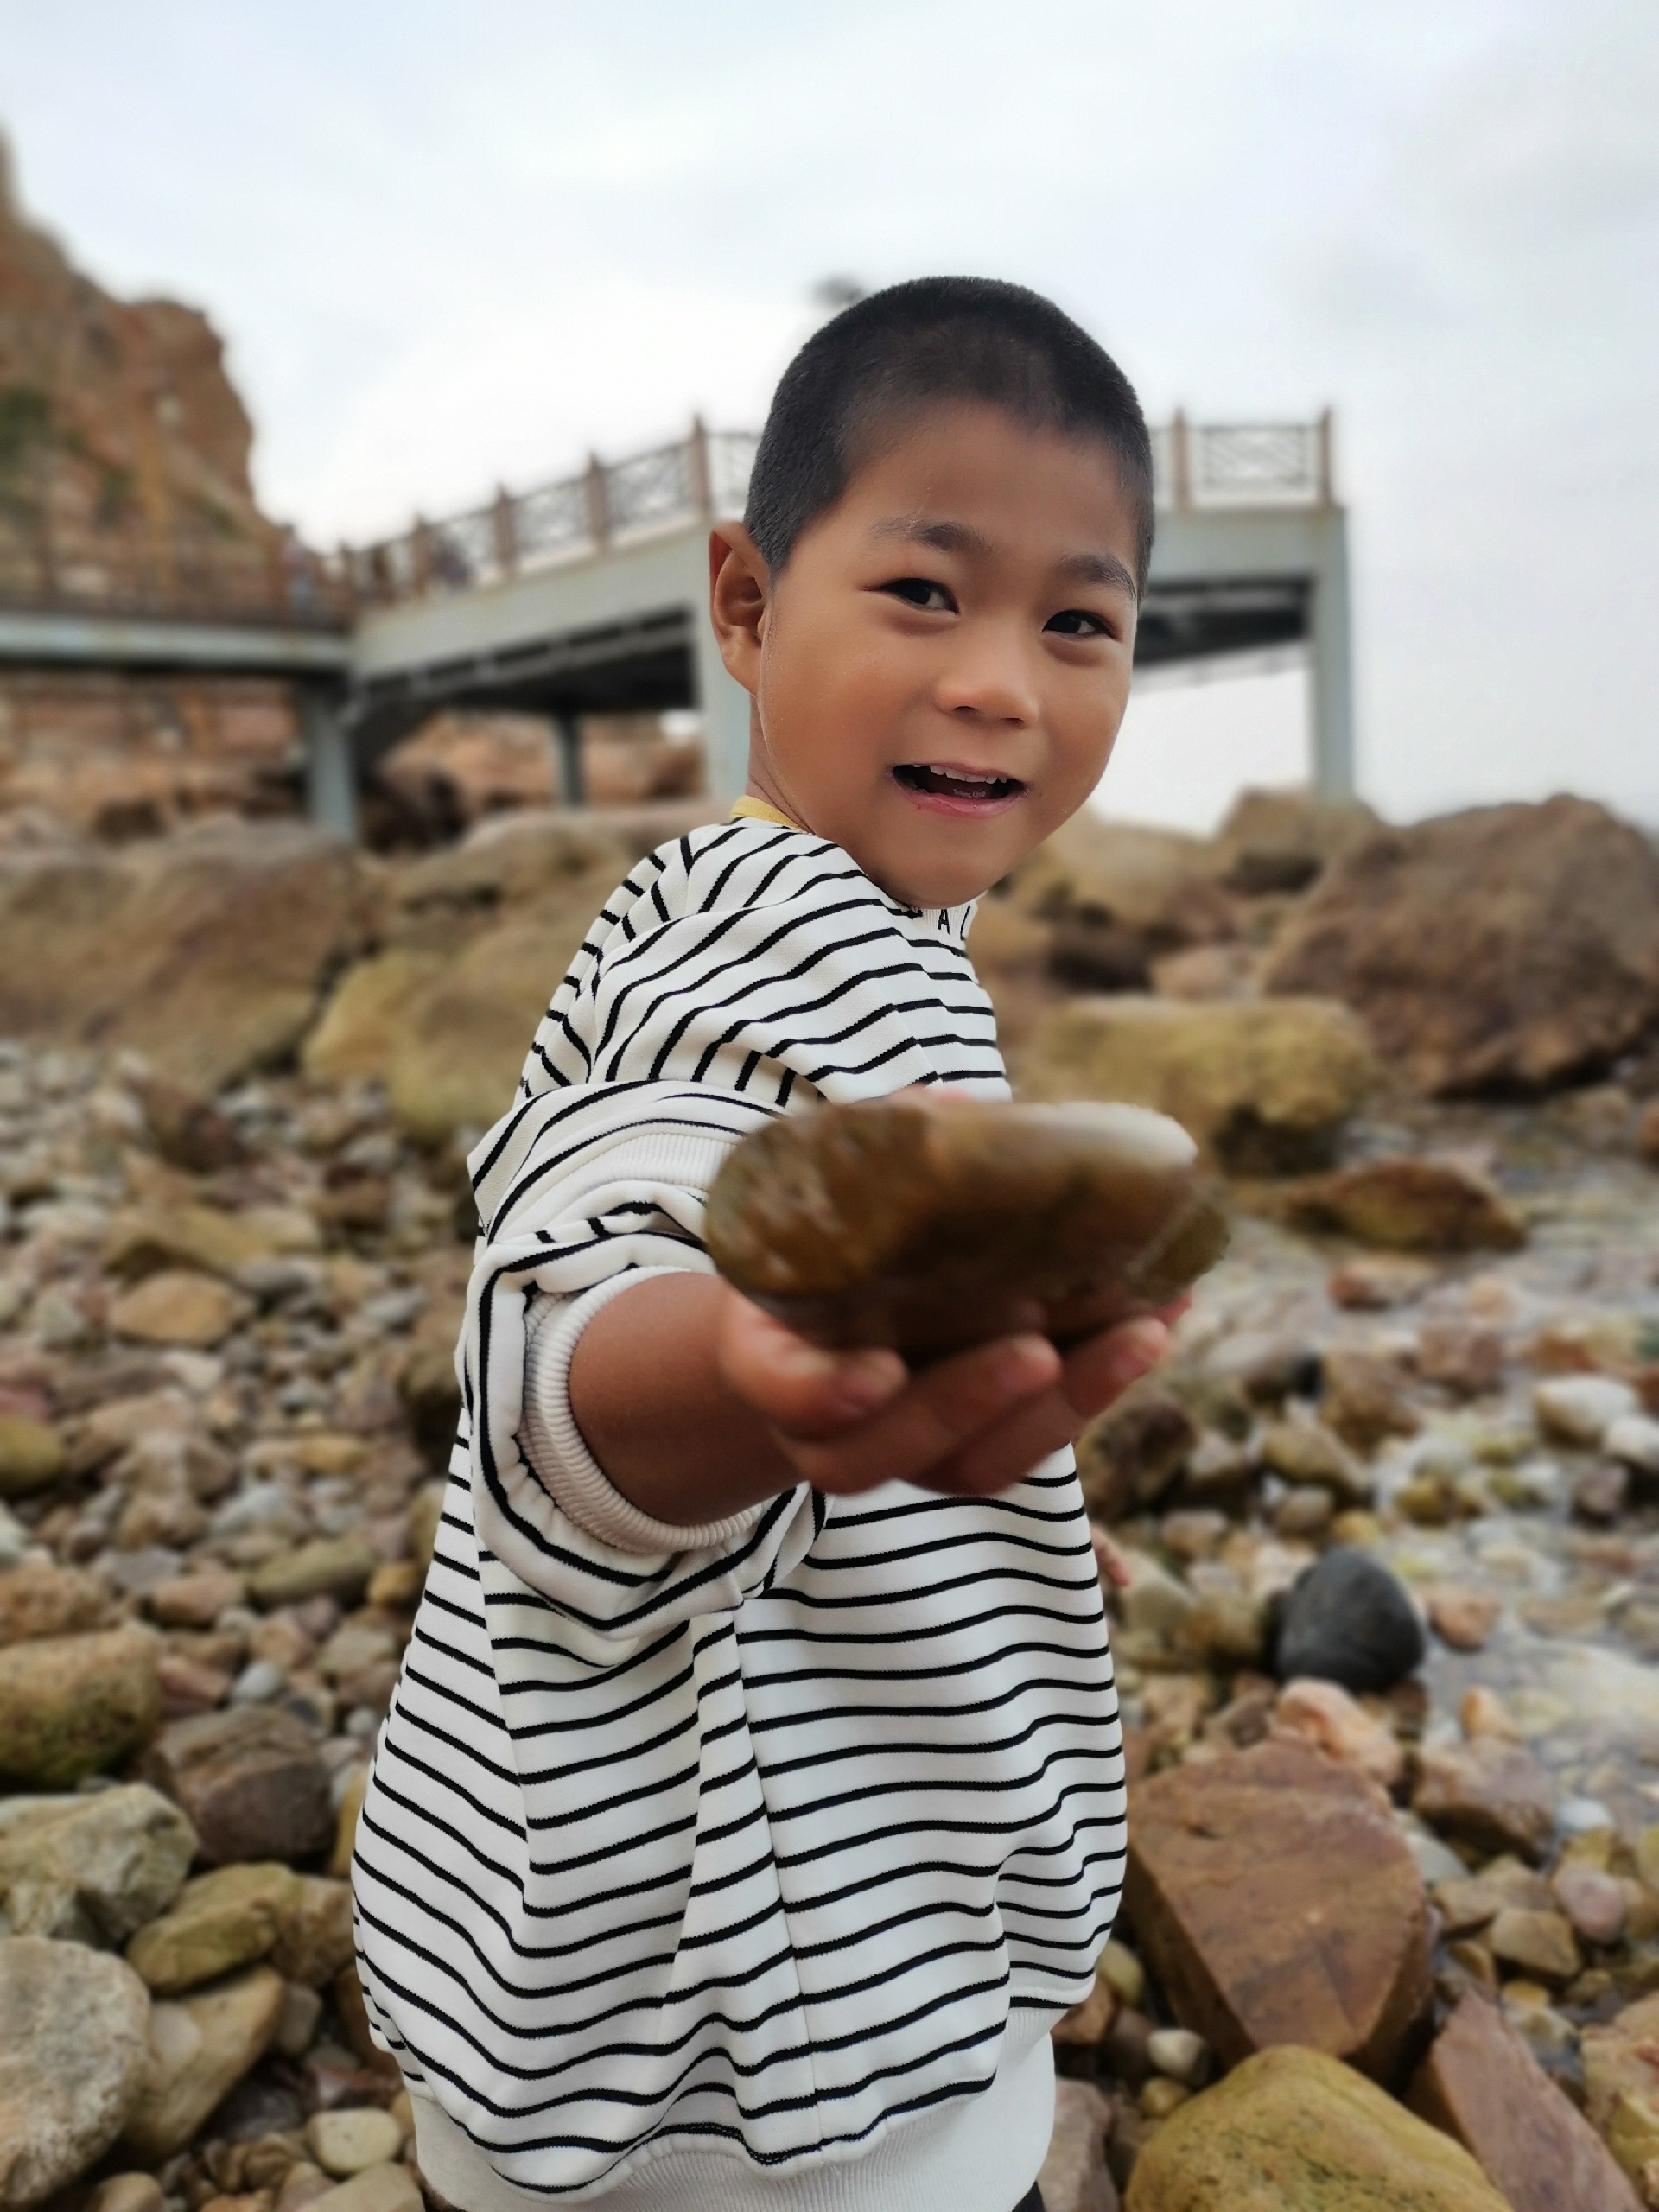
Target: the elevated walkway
(590, 595)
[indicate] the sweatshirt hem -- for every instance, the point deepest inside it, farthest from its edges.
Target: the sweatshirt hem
(981, 2155)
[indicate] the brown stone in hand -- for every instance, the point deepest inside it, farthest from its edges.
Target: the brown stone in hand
(927, 1223)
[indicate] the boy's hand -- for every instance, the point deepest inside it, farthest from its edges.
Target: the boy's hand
(975, 1422)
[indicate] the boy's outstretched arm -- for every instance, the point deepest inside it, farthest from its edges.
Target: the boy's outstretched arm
(697, 1405)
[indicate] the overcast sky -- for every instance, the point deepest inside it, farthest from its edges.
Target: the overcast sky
(452, 244)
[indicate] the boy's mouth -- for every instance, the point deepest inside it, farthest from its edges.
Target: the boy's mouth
(942, 787)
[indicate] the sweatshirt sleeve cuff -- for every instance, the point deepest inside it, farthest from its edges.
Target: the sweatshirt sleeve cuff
(558, 1453)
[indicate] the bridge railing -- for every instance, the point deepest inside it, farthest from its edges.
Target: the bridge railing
(705, 476)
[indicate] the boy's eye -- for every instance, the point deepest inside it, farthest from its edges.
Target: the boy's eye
(923, 591)
(1078, 622)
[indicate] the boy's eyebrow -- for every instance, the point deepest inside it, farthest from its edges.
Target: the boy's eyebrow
(946, 536)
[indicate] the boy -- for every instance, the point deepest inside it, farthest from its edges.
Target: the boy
(751, 1804)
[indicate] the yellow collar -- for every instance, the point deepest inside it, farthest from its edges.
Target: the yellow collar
(756, 809)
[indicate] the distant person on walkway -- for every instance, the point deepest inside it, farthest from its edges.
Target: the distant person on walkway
(751, 1805)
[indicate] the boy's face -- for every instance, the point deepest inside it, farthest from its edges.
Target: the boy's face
(939, 672)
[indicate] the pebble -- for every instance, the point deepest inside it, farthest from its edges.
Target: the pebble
(1633, 1440)
(376, 2189)
(1304, 1452)
(344, 2143)
(1489, 1793)
(1461, 1617)
(1581, 1409)
(91, 1870)
(1184, 2056)
(1593, 1902)
(1323, 1713)
(1123, 1974)
(1348, 1620)
(1602, 1493)
(1540, 1943)
(31, 1456)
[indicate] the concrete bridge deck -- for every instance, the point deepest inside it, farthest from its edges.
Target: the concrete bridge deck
(590, 595)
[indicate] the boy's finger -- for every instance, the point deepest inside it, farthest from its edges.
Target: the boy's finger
(929, 1423)
(1102, 1368)
(1006, 1452)
(798, 1386)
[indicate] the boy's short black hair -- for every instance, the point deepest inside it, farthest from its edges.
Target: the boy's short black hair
(935, 339)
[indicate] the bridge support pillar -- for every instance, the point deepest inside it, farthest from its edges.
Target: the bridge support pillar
(330, 768)
(1330, 674)
(725, 706)
(567, 744)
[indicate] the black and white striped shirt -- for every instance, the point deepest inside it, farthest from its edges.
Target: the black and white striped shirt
(749, 1863)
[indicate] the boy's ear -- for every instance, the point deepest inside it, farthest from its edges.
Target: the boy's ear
(739, 585)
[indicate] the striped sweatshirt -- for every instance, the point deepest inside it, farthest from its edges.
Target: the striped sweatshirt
(747, 1864)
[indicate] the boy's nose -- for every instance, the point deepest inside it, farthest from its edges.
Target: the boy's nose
(992, 682)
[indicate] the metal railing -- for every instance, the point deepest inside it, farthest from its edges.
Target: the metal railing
(702, 476)
(706, 475)
(1243, 464)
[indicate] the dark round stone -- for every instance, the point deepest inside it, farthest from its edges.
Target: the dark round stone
(1348, 1620)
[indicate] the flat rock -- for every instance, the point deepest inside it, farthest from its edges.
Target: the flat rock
(251, 1782)
(1481, 2084)
(1263, 1085)
(178, 1307)
(1409, 1205)
(1074, 2177)
(1292, 2128)
(71, 1704)
(200, 2049)
(1348, 1620)
(329, 1566)
(73, 2049)
(1323, 1940)
(218, 1922)
(1491, 1795)
(1506, 946)
(38, 1599)
(31, 1455)
(91, 1870)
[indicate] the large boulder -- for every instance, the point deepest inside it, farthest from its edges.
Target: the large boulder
(91, 1870)
(1481, 2083)
(1282, 840)
(250, 1780)
(1508, 947)
(73, 2048)
(477, 939)
(1264, 1086)
(71, 1704)
(208, 950)
(1115, 895)
(1293, 2131)
(1322, 1939)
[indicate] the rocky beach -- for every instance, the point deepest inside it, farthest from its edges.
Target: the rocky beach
(1388, 1648)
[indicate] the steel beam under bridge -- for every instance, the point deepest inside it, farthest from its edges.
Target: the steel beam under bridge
(627, 630)
(316, 660)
